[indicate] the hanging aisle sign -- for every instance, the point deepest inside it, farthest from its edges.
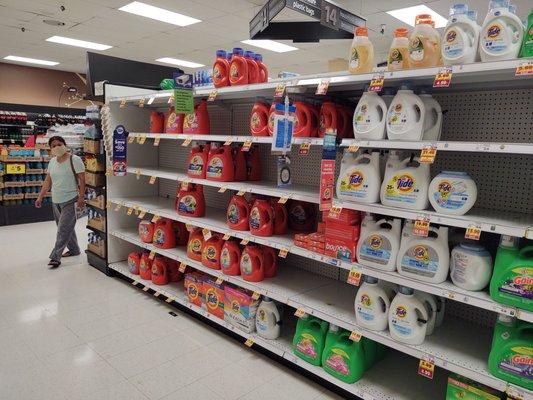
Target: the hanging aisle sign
(183, 96)
(120, 149)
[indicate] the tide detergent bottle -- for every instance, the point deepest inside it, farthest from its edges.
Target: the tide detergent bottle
(263, 70)
(160, 274)
(134, 260)
(230, 257)
(197, 161)
(174, 274)
(253, 164)
(372, 305)
(328, 118)
(238, 70)
(261, 219)
(198, 121)
(342, 357)
(407, 317)
(281, 217)
(268, 319)
(239, 160)
(527, 44)
(379, 242)
(424, 43)
(253, 67)
(146, 231)
(259, 119)
(220, 165)
(195, 244)
(191, 201)
(306, 121)
(270, 259)
(180, 233)
(145, 266)
(252, 264)
(511, 355)
(309, 339)
(405, 116)
(432, 117)
(157, 122)
(238, 213)
(221, 70)
(174, 122)
(359, 179)
(461, 37)
(164, 237)
(211, 252)
(369, 117)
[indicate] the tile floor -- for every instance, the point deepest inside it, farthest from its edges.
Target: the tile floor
(73, 333)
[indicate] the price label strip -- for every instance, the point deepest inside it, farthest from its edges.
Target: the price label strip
(428, 154)
(354, 277)
(228, 142)
(304, 149)
(322, 87)
(473, 232)
(426, 368)
(118, 207)
(138, 173)
(443, 78)
(376, 84)
(421, 227)
(241, 192)
(170, 100)
(169, 300)
(212, 95)
(525, 68)
(15, 168)
(280, 89)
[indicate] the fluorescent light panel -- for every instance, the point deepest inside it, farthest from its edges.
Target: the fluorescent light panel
(78, 43)
(408, 15)
(30, 60)
(160, 14)
(181, 63)
(270, 45)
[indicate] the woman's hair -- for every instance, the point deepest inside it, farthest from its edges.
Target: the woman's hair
(58, 138)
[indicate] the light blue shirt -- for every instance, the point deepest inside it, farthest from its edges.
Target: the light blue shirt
(64, 183)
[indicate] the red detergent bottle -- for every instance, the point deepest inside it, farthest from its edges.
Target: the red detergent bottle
(220, 165)
(157, 122)
(281, 217)
(271, 114)
(146, 231)
(160, 271)
(195, 244)
(328, 117)
(238, 69)
(174, 274)
(180, 233)
(252, 264)
(174, 122)
(304, 120)
(270, 260)
(261, 219)
(239, 158)
(263, 70)
(164, 234)
(302, 216)
(145, 266)
(238, 213)
(197, 161)
(259, 119)
(211, 252)
(191, 201)
(253, 68)
(253, 164)
(197, 122)
(134, 261)
(345, 127)
(316, 120)
(230, 257)
(221, 70)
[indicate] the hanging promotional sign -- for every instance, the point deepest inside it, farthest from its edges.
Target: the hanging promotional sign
(327, 170)
(183, 96)
(283, 127)
(120, 148)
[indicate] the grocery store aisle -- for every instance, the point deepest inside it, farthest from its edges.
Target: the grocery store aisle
(73, 333)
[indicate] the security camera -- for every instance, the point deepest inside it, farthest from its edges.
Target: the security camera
(382, 30)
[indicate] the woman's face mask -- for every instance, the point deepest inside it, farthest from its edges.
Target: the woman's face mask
(58, 151)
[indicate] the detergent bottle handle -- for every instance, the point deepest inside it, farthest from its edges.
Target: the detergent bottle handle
(522, 328)
(422, 107)
(307, 116)
(243, 210)
(425, 317)
(270, 213)
(525, 250)
(382, 222)
(383, 107)
(384, 300)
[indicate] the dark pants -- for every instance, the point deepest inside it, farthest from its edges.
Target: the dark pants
(65, 217)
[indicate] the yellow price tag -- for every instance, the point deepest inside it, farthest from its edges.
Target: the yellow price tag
(428, 154)
(241, 192)
(152, 180)
(322, 87)
(245, 241)
(131, 139)
(141, 102)
(15, 168)
(377, 81)
(169, 300)
(304, 149)
(228, 142)
(138, 173)
(473, 232)
(256, 295)
(185, 184)
(186, 142)
(151, 256)
(426, 369)
(157, 294)
(212, 95)
(524, 68)
(226, 236)
(130, 211)
(283, 252)
(207, 234)
(443, 78)
(249, 342)
(246, 145)
(142, 214)
(335, 211)
(118, 207)
(222, 189)
(421, 227)
(299, 312)
(135, 283)
(353, 148)
(283, 200)
(355, 336)
(280, 89)
(108, 204)
(182, 267)
(354, 277)
(219, 280)
(122, 103)
(155, 218)
(157, 139)
(146, 288)
(142, 139)
(170, 100)
(189, 227)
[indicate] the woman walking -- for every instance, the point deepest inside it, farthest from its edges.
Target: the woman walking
(66, 178)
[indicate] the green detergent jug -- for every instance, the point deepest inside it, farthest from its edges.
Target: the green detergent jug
(309, 339)
(343, 358)
(370, 349)
(527, 45)
(512, 279)
(511, 355)
(381, 351)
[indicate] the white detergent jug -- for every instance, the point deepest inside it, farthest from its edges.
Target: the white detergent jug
(470, 266)
(369, 117)
(461, 37)
(501, 34)
(391, 164)
(441, 308)
(425, 258)
(405, 116)
(372, 305)
(268, 319)
(388, 95)
(379, 243)
(406, 186)
(390, 288)
(432, 117)
(452, 192)
(359, 178)
(431, 307)
(407, 317)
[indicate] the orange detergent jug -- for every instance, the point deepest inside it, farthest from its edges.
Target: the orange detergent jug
(252, 264)
(315, 109)
(238, 213)
(345, 126)
(281, 217)
(259, 119)
(230, 257)
(146, 231)
(305, 120)
(164, 234)
(253, 68)
(195, 244)
(263, 70)
(197, 122)
(253, 164)
(271, 114)
(221, 70)
(160, 271)
(145, 266)
(270, 259)
(197, 161)
(174, 274)
(157, 122)
(134, 261)
(211, 252)
(261, 218)
(220, 165)
(174, 122)
(239, 159)
(191, 201)
(328, 117)
(180, 233)
(302, 216)
(238, 69)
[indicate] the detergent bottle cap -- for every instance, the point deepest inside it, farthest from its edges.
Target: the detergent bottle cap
(423, 19)
(401, 32)
(249, 54)
(494, 4)
(228, 56)
(267, 299)
(458, 9)
(474, 247)
(472, 14)
(258, 57)
(512, 8)
(508, 241)
(361, 31)
(221, 53)
(406, 85)
(371, 280)
(406, 290)
(333, 328)
(425, 90)
(506, 319)
(237, 51)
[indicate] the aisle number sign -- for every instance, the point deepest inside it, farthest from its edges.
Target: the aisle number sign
(426, 368)
(15, 168)
(443, 78)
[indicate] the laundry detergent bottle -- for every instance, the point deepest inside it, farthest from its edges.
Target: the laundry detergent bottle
(452, 192)
(211, 252)
(253, 68)
(145, 266)
(134, 260)
(270, 260)
(460, 40)
(263, 70)
(527, 44)
(361, 57)
(424, 44)
(261, 219)
(220, 165)
(309, 339)
(197, 161)
(252, 263)
(191, 201)
(164, 237)
(379, 243)
(432, 117)
(146, 231)
(198, 121)
(174, 121)
(259, 119)
(360, 178)
(470, 266)
(305, 120)
(408, 317)
(372, 305)
(405, 116)
(281, 217)
(328, 118)
(160, 271)
(398, 57)
(431, 306)
(342, 357)
(238, 213)
(238, 70)
(253, 164)
(268, 319)
(230, 257)
(369, 117)
(195, 244)
(221, 70)
(239, 160)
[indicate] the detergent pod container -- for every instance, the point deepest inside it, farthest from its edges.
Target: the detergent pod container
(470, 266)
(328, 118)
(306, 120)
(302, 216)
(309, 339)
(424, 44)
(134, 261)
(239, 160)
(259, 119)
(452, 192)
(261, 219)
(432, 117)
(198, 122)
(160, 274)
(408, 317)
(263, 70)
(253, 68)
(174, 121)
(220, 165)
(238, 213)
(253, 164)
(157, 122)
(281, 217)
(369, 117)
(146, 231)
(145, 266)
(230, 257)
(431, 306)
(372, 305)
(164, 237)
(359, 179)
(197, 161)
(460, 40)
(268, 319)
(174, 274)
(501, 34)
(405, 116)
(195, 244)
(511, 354)
(379, 242)
(211, 252)
(270, 259)
(361, 57)
(252, 264)
(343, 357)
(221, 70)
(406, 185)
(513, 275)
(425, 259)
(398, 57)
(238, 69)
(191, 201)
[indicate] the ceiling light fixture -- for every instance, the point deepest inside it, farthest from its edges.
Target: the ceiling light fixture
(160, 14)
(78, 43)
(409, 14)
(181, 63)
(30, 60)
(270, 45)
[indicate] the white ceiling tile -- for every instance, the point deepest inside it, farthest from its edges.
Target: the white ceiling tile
(191, 8)
(229, 6)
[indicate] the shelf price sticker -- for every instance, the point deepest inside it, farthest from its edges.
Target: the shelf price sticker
(322, 87)
(182, 267)
(226, 236)
(421, 227)
(219, 280)
(15, 168)
(241, 192)
(122, 103)
(426, 368)
(283, 252)
(141, 102)
(189, 227)
(228, 142)
(169, 299)
(245, 241)
(142, 214)
(151, 256)
(249, 342)
(212, 95)
(207, 234)
(246, 145)
(157, 294)
(142, 139)
(184, 185)
(516, 392)
(355, 336)
(130, 211)
(473, 232)
(377, 81)
(428, 154)
(108, 204)
(118, 207)
(335, 211)
(299, 312)
(170, 100)
(443, 78)
(186, 142)
(146, 288)
(157, 139)
(138, 173)
(524, 68)
(280, 89)
(131, 139)
(304, 149)
(155, 218)
(152, 180)
(135, 283)
(222, 189)
(283, 199)
(256, 295)
(354, 277)
(353, 147)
